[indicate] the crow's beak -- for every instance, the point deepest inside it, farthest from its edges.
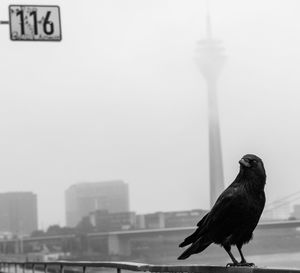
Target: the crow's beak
(245, 162)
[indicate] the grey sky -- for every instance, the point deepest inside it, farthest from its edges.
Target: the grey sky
(121, 97)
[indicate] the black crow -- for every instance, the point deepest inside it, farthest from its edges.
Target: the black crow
(235, 214)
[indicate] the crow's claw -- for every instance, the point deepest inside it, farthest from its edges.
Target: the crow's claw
(247, 264)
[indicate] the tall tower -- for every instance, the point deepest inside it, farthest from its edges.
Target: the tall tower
(211, 60)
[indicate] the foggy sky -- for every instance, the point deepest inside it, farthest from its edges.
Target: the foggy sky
(121, 97)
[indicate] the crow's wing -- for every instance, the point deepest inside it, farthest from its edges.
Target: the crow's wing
(227, 213)
(226, 207)
(216, 225)
(201, 223)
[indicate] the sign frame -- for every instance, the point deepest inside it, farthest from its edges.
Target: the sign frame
(34, 39)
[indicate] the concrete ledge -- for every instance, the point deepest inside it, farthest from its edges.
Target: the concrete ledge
(5, 267)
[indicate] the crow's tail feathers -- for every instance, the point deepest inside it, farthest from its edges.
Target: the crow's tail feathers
(192, 238)
(196, 247)
(197, 234)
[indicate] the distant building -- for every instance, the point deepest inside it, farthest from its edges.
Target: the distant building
(296, 211)
(155, 220)
(104, 221)
(140, 221)
(186, 218)
(84, 198)
(18, 212)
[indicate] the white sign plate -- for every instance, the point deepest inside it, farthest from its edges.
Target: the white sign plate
(34, 23)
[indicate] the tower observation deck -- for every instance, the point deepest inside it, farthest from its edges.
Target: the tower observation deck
(210, 59)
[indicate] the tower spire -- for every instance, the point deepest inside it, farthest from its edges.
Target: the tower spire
(208, 23)
(211, 60)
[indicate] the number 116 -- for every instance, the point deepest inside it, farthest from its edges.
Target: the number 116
(48, 26)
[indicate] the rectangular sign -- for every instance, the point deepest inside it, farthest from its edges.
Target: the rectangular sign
(34, 23)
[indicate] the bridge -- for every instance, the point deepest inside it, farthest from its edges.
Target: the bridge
(151, 243)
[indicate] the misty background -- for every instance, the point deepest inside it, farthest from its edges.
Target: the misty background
(121, 97)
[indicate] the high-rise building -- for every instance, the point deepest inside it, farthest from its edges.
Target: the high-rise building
(84, 198)
(18, 212)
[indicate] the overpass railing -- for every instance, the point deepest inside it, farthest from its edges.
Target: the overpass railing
(84, 267)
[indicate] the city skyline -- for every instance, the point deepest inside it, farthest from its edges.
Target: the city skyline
(286, 208)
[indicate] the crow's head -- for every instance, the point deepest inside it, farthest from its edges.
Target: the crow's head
(252, 163)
